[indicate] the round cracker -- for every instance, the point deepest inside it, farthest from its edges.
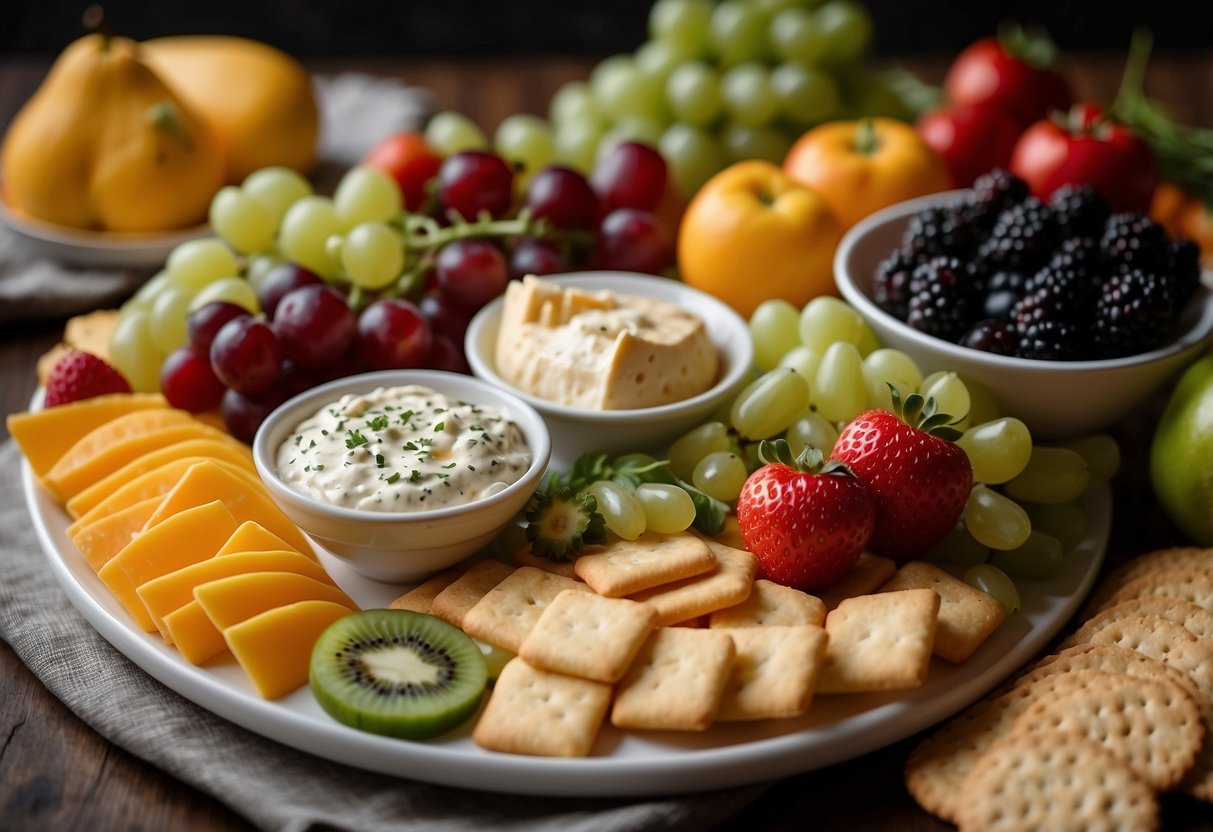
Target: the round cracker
(1188, 584)
(1195, 619)
(1158, 561)
(1109, 658)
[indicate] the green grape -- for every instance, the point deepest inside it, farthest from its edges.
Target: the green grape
(667, 508)
(694, 445)
(304, 235)
(1101, 453)
(623, 91)
(825, 320)
(525, 139)
(770, 404)
(366, 194)
(629, 130)
(146, 295)
(803, 360)
(839, 392)
(747, 94)
(959, 547)
(1065, 521)
(694, 156)
(995, 520)
(133, 353)
(657, 59)
(776, 6)
(259, 267)
(235, 290)
(982, 407)
(167, 322)
(574, 102)
(450, 132)
(693, 93)
(720, 475)
(243, 222)
(1041, 556)
(277, 189)
(994, 582)
(948, 391)
(738, 32)
(775, 331)
(743, 142)
(796, 36)
(847, 28)
(681, 22)
(1052, 475)
(195, 263)
(623, 513)
(576, 144)
(805, 94)
(997, 450)
(812, 430)
(883, 367)
(373, 255)
(867, 341)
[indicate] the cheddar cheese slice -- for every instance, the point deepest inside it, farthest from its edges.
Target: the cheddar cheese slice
(254, 537)
(46, 435)
(275, 647)
(229, 601)
(108, 535)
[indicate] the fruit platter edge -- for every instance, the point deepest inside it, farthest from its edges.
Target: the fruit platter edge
(835, 729)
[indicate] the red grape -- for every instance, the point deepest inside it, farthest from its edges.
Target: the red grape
(563, 197)
(296, 379)
(633, 175)
(446, 317)
(280, 280)
(315, 325)
(538, 257)
(205, 321)
(475, 181)
(188, 381)
(633, 241)
(393, 334)
(446, 355)
(244, 414)
(246, 355)
(471, 272)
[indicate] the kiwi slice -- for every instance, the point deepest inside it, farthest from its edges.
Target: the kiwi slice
(396, 672)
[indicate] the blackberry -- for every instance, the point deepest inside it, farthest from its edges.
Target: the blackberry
(1183, 265)
(1052, 341)
(993, 193)
(1061, 293)
(1080, 210)
(1083, 249)
(891, 288)
(937, 231)
(992, 336)
(942, 298)
(1022, 237)
(1002, 290)
(1131, 241)
(1135, 312)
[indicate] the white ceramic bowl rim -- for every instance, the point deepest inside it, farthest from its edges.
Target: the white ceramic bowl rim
(1197, 319)
(309, 401)
(629, 283)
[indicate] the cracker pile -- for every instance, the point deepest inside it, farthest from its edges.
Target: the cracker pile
(675, 633)
(1088, 736)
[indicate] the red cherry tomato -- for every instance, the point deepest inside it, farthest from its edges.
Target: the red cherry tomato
(1085, 146)
(991, 72)
(972, 140)
(407, 158)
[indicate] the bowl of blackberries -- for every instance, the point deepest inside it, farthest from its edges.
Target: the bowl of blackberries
(1069, 313)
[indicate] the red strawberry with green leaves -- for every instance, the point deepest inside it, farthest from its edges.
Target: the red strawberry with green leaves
(805, 520)
(918, 477)
(81, 375)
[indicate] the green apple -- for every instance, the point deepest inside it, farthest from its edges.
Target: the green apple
(1181, 456)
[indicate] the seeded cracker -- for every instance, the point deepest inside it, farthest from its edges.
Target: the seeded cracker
(546, 714)
(868, 574)
(775, 672)
(728, 584)
(589, 636)
(880, 642)
(967, 616)
(508, 611)
(772, 605)
(629, 566)
(421, 597)
(676, 681)
(452, 603)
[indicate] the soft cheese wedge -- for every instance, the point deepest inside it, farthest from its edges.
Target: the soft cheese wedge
(275, 647)
(46, 435)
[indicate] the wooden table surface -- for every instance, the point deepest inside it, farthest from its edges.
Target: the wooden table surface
(57, 773)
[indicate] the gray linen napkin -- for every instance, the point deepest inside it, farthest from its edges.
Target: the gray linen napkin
(274, 786)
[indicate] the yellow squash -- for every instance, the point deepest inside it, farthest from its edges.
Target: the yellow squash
(258, 100)
(104, 144)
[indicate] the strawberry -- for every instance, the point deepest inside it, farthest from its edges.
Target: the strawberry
(81, 375)
(806, 522)
(918, 477)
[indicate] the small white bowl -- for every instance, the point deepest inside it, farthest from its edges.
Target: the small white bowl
(1054, 398)
(578, 430)
(401, 546)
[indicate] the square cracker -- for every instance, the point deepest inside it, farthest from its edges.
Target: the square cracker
(650, 560)
(775, 672)
(967, 616)
(880, 642)
(508, 611)
(532, 711)
(588, 636)
(772, 605)
(676, 681)
(868, 574)
(421, 597)
(563, 568)
(453, 603)
(728, 584)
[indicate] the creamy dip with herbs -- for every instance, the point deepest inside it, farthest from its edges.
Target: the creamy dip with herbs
(403, 449)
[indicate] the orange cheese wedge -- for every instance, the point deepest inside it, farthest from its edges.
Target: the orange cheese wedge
(275, 647)
(108, 535)
(253, 537)
(46, 435)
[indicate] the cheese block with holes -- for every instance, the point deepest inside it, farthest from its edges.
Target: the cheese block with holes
(254, 537)
(109, 534)
(275, 647)
(46, 435)
(187, 537)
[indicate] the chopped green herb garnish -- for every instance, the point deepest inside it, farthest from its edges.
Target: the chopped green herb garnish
(439, 427)
(379, 461)
(378, 423)
(353, 439)
(409, 446)
(452, 465)
(393, 478)
(415, 476)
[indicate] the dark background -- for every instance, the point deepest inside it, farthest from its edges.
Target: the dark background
(325, 28)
